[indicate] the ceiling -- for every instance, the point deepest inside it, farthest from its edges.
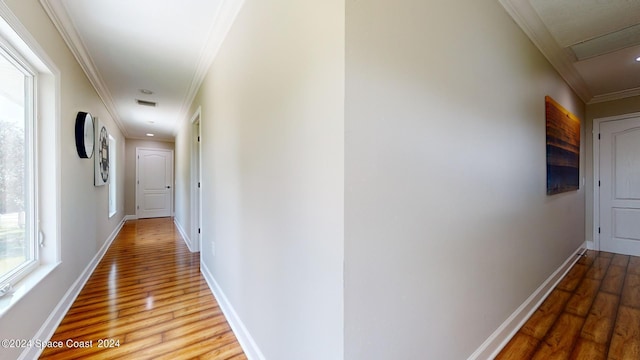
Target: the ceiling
(593, 44)
(166, 47)
(128, 47)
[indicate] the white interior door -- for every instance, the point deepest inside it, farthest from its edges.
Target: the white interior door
(154, 193)
(620, 186)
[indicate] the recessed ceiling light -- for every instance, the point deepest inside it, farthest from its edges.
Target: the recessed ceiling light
(638, 59)
(150, 134)
(146, 91)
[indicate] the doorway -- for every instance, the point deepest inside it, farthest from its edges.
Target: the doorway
(154, 183)
(196, 186)
(617, 184)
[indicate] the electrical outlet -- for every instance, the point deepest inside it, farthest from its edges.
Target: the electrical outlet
(213, 248)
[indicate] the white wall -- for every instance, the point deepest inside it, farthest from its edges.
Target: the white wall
(85, 224)
(183, 148)
(272, 181)
(448, 228)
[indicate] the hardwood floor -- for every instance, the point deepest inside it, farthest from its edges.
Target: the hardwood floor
(593, 313)
(145, 300)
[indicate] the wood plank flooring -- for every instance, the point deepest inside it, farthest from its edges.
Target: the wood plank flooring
(593, 313)
(145, 300)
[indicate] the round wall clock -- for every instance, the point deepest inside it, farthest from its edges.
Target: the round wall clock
(84, 135)
(103, 154)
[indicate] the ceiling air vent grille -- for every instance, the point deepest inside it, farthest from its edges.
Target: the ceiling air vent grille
(146, 103)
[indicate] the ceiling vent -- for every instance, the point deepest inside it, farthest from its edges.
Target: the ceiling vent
(146, 103)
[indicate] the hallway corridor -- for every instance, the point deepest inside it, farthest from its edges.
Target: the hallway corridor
(145, 300)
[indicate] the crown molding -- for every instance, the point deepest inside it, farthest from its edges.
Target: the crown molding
(221, 24)
(615, 95)
(60, 18)
(529, 21)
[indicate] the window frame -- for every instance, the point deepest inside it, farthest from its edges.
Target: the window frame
(46, 154)
(14, 57)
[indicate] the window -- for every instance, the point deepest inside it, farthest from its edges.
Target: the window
(18, 244)
(30, 175)
(112, 176)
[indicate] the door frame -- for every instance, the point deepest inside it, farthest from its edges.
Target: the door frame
(596, 171)
(137, 182)
(196, 176)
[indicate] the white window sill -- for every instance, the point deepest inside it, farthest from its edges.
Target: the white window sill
(24, 286)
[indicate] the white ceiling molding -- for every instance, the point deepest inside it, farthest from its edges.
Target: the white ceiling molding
(227, 13)
(527, 18)
(615, 95)
(58, 14)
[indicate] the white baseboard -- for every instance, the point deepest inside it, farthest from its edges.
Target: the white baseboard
(130, 217)
(499, 339)
(47, 329)
(245, 339)
(183, 233)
